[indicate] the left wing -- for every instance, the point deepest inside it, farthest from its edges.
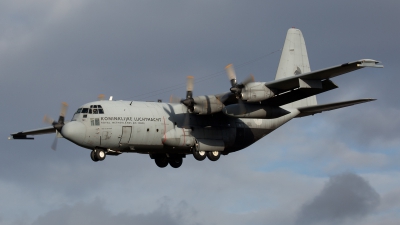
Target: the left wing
(304, 85)
(23, 134)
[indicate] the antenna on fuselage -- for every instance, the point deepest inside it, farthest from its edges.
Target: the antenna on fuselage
(111, 97)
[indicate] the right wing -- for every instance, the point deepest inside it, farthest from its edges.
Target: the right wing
(23, 134)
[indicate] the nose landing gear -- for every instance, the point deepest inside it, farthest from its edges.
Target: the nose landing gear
(98, 155)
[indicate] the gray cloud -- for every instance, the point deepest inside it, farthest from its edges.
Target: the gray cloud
(345, 196)
(96, 213)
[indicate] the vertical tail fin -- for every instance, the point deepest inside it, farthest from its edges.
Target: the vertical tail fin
(294, 60)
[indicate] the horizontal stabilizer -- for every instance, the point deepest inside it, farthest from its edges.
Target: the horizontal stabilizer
(311, 110)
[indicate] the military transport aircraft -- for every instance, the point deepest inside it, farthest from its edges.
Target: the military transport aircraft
(204, 126)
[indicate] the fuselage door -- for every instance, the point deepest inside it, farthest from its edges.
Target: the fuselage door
(126, 135)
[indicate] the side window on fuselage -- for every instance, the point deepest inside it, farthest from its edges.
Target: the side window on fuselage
(95, 122)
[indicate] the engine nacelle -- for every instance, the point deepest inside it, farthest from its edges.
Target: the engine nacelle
(206, 104)
(256, 92)
(254, 111)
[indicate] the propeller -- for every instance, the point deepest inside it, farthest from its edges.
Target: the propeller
(59, 124)
(236, 88)
(189, 101)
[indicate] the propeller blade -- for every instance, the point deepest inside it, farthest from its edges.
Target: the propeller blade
(101, 97)
(249, 79)
(189, 87)
(54, 145)
(174, 99)
(48, 120)
(230, 72)
(189, 84)
(64, 107)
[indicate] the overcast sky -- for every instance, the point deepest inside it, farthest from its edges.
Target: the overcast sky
(338, 167)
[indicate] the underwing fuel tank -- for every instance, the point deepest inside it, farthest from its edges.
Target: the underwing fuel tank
(254, 111)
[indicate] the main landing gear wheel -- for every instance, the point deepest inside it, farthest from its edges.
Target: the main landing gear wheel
(199, 155)
(161, 161)
(93, 156)
(175, 162)
(98, 155)
(214, 155)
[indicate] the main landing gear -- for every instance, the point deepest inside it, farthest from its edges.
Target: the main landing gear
(163, 161)
(201, 155)
(98, 155)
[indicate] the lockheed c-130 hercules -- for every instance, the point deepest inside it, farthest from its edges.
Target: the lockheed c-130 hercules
(204, 126)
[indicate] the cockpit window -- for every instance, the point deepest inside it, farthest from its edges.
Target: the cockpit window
(94, 109)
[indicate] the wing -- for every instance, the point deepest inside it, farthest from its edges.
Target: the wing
(313, 79)
(301, 86)
(311, 110)
(23, 134)
(304, 85)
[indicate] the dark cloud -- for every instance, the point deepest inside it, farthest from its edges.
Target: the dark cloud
(345, 196)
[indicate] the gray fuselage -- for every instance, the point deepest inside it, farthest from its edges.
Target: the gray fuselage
(153, 127)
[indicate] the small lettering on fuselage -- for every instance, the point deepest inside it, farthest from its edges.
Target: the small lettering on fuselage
(128, 120)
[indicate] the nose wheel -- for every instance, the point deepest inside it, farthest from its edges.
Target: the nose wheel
(98, 155)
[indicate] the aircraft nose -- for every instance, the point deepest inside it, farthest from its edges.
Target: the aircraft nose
(74, 131)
